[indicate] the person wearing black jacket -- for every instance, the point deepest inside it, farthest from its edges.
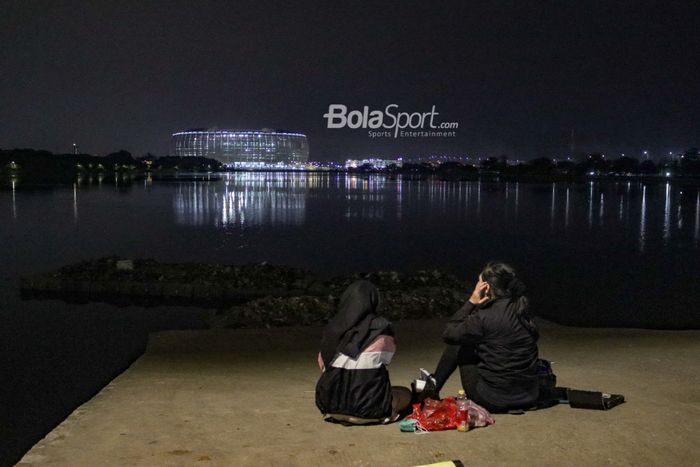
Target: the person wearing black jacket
(492, 339)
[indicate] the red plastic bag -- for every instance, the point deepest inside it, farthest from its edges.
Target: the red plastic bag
(437, 415)
(443, 415)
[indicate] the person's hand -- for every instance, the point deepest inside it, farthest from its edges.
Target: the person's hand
(481, 294)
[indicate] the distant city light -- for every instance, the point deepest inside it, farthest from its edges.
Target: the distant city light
(374, 162)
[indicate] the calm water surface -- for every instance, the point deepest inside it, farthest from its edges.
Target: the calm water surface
(598, 253)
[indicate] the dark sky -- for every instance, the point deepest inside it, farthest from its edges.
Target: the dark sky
(517, 76)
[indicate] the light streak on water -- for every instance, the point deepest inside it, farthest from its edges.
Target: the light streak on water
(590, 206)
(667, 214)
(478, 201)
(621, 207)
(566, 210)
(14, 200)
(553, 207)
(75, 202)
(251, 200)
(697, 220)
(642, 220)
(399, 198)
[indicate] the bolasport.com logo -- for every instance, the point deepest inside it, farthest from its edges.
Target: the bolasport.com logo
(390, 122)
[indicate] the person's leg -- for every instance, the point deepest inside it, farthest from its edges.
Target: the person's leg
(453, 356)
(400, 401)
(469, 375)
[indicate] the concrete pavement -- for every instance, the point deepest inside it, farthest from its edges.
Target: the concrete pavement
(246, 398)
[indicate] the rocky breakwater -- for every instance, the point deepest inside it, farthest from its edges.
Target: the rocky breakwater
(127, 281)
(250, 295)
(423, 294)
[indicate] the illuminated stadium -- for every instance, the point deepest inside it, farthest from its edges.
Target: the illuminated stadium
(246, 149)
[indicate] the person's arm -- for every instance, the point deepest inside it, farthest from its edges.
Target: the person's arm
(465, 326)
(385, 346)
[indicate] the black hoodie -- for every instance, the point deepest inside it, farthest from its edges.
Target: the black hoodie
(353, 384)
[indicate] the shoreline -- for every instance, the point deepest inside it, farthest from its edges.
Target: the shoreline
(126, 177)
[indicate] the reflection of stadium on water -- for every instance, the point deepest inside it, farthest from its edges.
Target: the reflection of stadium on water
(657, 213)
(244, 200)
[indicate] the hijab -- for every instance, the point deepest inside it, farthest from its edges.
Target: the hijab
(355, 324)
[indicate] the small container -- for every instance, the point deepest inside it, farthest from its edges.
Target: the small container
(463, 409)
(407, 425)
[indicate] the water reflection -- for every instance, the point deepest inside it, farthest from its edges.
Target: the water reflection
(365, 196)
(14, 199)
(553, 207)
(639, 215)
(254, 199)
(75, 202)
(566, 210)
(590, 205)
(667, 214)
(621, 208)
(478, 202)
(642, 221)
(697, 220)
(244, 200)
(399, 199)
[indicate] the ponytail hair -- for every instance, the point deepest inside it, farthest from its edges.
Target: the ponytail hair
(505, 283)
(503, 280)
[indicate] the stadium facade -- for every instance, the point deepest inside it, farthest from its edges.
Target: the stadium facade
(245, 149)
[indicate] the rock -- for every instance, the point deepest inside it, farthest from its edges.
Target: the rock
(274, 311)
(125, 265)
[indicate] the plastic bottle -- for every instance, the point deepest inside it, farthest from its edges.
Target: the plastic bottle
(463, 408)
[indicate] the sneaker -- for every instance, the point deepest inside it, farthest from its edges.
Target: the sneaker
(424, 387)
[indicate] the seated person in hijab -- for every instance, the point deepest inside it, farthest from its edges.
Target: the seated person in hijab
(356, 347)
(492, 339)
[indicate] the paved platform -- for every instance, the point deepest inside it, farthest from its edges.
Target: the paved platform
(246, 398)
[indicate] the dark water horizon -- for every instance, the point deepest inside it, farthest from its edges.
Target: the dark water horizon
(633, 245)
(594, 254)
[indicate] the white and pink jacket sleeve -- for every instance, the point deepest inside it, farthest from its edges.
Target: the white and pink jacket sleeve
(379, 352)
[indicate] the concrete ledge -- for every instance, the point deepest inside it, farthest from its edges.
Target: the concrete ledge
(246, 397)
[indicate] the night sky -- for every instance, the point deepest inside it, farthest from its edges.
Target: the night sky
(517, 76)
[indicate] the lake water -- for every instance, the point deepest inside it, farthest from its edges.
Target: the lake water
(595, 253)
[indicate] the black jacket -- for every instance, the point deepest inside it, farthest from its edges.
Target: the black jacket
(355, 349)
(506, 345)
(358, 386)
